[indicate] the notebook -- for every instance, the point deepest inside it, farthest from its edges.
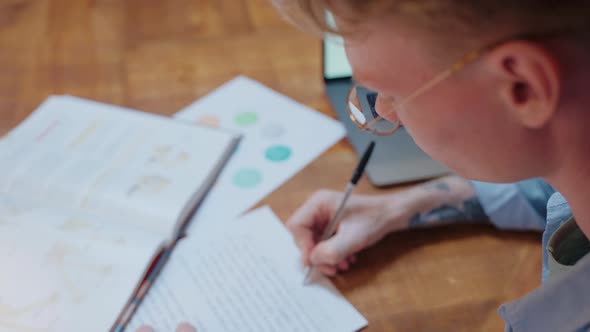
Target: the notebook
(247, 277)
(90, 196)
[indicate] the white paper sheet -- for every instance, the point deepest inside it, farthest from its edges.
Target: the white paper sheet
(280, 137)
(246, 278)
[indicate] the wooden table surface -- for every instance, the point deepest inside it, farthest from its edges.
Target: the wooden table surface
(159, 56)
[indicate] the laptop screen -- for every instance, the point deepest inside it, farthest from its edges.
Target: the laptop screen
(336, 64)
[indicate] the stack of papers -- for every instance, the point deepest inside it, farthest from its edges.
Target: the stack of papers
(90, 193)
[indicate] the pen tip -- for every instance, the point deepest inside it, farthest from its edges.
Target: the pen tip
(307, 276)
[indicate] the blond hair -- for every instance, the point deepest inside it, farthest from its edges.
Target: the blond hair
(456, 19)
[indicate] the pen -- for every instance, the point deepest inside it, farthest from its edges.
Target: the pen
(331, 228)
(141, 292)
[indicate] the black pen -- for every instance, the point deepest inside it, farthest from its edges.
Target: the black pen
(333, 224)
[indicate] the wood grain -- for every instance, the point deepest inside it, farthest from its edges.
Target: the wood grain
(159, 56)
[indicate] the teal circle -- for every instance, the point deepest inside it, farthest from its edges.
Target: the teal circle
(247, 178)
(278, 153)
(246, 118)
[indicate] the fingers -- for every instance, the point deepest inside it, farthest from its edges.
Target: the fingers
(327, 270)
(185, 327)
(310, 219)
(344, 265)
(330, 252)
(337, 253)
(331, 270)
(144, 328)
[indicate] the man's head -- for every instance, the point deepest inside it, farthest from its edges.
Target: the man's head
(506, 116)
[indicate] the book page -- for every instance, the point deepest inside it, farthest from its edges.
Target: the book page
(62, 272)
(247, 277)
(75, 153)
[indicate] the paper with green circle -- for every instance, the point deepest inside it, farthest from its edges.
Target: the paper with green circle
(278, 153)
(246, 118)
(247, 178)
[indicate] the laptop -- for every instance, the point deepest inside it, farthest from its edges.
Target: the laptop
(396, 158)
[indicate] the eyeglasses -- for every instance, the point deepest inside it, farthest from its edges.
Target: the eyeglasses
(362, 103)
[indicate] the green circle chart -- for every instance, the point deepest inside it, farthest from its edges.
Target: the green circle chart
(246, 118)
(247, 178)
(278, 153)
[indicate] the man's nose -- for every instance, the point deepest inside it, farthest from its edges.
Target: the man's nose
(385, 107)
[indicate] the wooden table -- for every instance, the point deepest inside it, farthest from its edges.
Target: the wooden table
(159, 56)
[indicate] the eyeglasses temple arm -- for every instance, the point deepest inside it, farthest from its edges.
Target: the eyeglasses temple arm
(433, 82)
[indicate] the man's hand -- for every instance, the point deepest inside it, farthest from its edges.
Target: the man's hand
(184, 327)
(366, 220)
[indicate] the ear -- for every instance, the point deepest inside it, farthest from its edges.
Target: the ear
(530, 81)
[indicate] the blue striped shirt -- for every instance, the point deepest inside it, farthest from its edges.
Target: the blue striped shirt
(562, 303)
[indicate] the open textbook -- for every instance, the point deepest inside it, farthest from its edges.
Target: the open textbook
(89, 193)
(247, 277)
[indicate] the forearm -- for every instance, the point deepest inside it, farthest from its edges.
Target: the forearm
(446, 200)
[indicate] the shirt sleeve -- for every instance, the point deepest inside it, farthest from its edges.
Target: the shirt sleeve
(515, 206)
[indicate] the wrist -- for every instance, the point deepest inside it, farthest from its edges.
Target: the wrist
(401, 206)
(406, 205)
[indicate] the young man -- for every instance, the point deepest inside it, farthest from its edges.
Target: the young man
(494, 89)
